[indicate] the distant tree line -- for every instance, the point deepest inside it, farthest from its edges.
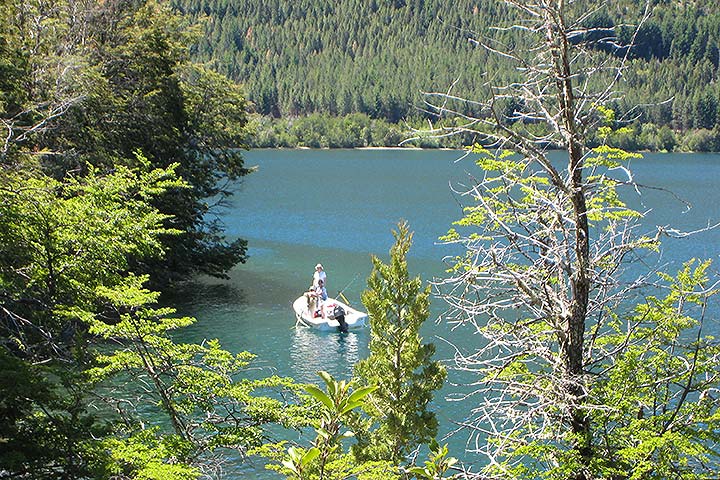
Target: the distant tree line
(355, 130)
(114, 146)
(378, 58)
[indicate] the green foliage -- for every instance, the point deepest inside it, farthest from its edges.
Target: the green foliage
(67, 246)
(66, 250)
(325, 131)
(112, 144)
(339, 58)
(574, 387)
(702, 141)
(63, 239)
(145, 456)
(191, 384)
(337, 403)
(514, 189)
(298, 461)
(651, 402)
(399, 363)
(661, 385)
(62, 242)
(437, 464)
(48, 423)
(604, 203)
(326, 460)
(13, 67)
(103, 81)
(375, 58)
(175, 112)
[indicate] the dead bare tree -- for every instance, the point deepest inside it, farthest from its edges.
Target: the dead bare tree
(544, 273)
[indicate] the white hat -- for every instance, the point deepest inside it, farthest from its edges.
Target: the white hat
(318, 266)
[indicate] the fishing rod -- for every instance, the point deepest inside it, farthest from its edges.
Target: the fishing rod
(340, 293)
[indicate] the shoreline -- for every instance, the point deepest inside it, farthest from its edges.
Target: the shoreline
(362, 148)
(447, 149)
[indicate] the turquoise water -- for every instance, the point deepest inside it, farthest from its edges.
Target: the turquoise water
(302, 207)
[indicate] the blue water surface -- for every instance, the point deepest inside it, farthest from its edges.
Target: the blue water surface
(302, 207)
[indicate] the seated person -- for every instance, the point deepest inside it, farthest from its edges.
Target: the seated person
(321, 291)
(321, 295)
(311, 297)
(315, 296)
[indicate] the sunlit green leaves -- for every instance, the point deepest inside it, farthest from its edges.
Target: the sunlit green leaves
(150, 456)
(298, 460)
(574, 386)
(65, 240)
(191, 384)
(320, 396)
(338, 401)
(652, 409)
(437, 464)
(605, 203)
(609, 156)
(325, 460)
(399, 363)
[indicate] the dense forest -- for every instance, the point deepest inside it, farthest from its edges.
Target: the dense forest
(376, 58)
(117, 142)
(115, 147)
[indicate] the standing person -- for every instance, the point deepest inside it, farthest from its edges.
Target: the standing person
(319, 275)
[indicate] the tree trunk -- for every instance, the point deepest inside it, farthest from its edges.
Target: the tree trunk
(571, 340)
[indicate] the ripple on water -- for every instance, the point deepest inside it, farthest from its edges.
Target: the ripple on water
(336, 353)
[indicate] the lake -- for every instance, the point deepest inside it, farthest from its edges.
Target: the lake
(302, 207)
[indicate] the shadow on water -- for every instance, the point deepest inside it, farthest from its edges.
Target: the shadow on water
(245, 287)
(198, 295)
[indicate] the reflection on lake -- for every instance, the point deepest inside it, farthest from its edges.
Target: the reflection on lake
(313, 350)
(338, 207)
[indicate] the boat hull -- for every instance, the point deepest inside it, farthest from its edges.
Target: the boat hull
(354, 318)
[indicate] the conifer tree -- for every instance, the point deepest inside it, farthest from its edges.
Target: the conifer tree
(399, 363)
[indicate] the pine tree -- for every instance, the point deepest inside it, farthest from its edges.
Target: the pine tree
(399, 363)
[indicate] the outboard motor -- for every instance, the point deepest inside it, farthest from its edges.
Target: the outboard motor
(339, 315)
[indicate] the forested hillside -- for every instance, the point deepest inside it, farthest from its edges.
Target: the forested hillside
(296, 58)
(115, 147)
(377, 57)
